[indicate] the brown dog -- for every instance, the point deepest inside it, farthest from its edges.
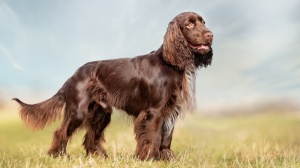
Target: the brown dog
(154, 88)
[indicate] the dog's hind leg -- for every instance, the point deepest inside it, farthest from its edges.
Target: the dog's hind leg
(70, 124)
(96, 121)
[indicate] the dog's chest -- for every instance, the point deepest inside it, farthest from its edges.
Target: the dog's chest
(187, 94)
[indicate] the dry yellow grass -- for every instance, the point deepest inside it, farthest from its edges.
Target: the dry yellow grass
(263, 140)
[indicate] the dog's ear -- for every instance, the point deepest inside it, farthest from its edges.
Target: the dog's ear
(175, 47)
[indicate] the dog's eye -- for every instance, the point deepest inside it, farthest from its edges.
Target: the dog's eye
(203, 21)
(190, 25)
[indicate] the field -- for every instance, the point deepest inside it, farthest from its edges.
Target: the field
(260, 140)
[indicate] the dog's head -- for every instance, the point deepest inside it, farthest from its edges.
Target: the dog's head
(187, 41)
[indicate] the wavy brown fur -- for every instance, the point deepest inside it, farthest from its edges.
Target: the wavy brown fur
(96, 121)
(37, 116)
(176, 48)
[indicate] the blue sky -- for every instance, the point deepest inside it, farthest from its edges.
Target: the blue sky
(256, 44)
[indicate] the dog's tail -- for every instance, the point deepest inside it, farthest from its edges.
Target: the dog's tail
(37, 116)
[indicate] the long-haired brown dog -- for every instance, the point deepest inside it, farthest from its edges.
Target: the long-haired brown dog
(154, 88)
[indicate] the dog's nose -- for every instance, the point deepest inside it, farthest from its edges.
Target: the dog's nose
(208, 35)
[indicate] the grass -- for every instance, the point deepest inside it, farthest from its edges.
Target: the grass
(261, 140)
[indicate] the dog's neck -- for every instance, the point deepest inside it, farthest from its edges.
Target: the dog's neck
(187, 100)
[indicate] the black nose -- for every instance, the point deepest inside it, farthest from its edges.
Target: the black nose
(208, 35)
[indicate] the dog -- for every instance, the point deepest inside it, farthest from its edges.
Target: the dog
(155, 89)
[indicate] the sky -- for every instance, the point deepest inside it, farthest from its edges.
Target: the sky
(256, 45)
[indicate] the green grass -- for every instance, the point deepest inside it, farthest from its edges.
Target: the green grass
(262, 140)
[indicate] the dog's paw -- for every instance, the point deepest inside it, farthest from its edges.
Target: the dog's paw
(56, 153)
(166, 154)
(97, 151)
(148, 152)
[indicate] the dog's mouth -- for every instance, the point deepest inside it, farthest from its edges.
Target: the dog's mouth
(201, 47)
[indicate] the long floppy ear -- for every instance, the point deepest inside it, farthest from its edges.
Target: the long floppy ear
(175, 47)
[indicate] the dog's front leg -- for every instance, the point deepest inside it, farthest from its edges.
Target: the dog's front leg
(165, 148)
(147, 128)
